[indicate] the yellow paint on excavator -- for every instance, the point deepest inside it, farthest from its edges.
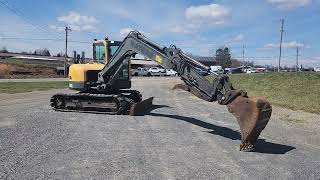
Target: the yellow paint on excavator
(77, 72)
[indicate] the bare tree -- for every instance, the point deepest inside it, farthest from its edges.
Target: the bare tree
(60, 54)
(4, 50)
(223, 57)
(42, 52)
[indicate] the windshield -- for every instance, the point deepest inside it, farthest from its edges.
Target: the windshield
(113, 49)
(100, 53)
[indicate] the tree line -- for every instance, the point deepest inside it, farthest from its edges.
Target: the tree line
(38, 52)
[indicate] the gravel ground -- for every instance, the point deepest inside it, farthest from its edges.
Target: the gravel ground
(184, 138)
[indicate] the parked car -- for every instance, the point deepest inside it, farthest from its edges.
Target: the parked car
(171, 72)
(261, 70)
(316, 69)
(203, 72)
(216, 69)
(251, 70)
(140, 72)
(156, 71)
(233, 70)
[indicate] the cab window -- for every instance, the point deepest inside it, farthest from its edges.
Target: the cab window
(100, 53)
(113, 49)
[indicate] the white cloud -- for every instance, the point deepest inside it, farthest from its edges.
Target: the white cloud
(75, 27)
(202, 16)
(238, 38)
(288, 45)
(207, 14)
(76, 22)
(89, 27)
(179, 29)
(75, 18)
(57, 28)
(290, 4)
(125, 31)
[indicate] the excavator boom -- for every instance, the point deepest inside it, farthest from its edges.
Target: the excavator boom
(252, 114)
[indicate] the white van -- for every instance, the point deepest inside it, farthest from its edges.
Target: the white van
(317, 69)
(216, 69)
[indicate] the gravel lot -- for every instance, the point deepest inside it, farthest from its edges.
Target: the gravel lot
(183, 138)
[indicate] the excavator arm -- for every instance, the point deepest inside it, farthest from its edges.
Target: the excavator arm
(252, 114)
(110, 94)
(207, 86)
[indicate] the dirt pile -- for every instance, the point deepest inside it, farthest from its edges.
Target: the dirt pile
(18, 71)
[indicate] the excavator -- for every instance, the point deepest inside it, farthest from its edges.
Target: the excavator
(104, 86)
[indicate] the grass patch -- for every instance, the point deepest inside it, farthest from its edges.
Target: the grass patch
(291, 90)
(20, 87)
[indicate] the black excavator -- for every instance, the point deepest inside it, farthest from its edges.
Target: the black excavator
(105, 88)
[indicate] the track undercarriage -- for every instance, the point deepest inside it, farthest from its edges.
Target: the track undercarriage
(120, 102)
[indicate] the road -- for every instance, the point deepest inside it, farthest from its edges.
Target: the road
(183, 138)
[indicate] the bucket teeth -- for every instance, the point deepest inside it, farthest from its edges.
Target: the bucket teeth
(253, 115)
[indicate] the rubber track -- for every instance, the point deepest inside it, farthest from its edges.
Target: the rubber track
(124, 100)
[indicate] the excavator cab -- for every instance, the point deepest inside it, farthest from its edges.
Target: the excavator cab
(103, 50)
(82, 77)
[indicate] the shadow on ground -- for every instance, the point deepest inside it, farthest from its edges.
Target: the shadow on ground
(262, 146)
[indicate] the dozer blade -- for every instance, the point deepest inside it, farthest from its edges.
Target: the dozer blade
(140, 108)
(253, 115)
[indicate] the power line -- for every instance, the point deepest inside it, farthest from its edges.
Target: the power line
(31, 39)
(43, 39)
(80, 42)
(21, 15)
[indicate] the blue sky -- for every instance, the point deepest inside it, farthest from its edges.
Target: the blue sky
(196, 26)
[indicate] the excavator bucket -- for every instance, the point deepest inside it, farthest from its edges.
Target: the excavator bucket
(252, 115)
(141, 108)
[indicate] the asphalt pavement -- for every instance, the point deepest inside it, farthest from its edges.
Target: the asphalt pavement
(182, 138)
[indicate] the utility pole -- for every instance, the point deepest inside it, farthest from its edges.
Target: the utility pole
(67, 29)
(243, 55)
(297, 66)
(281, 31)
